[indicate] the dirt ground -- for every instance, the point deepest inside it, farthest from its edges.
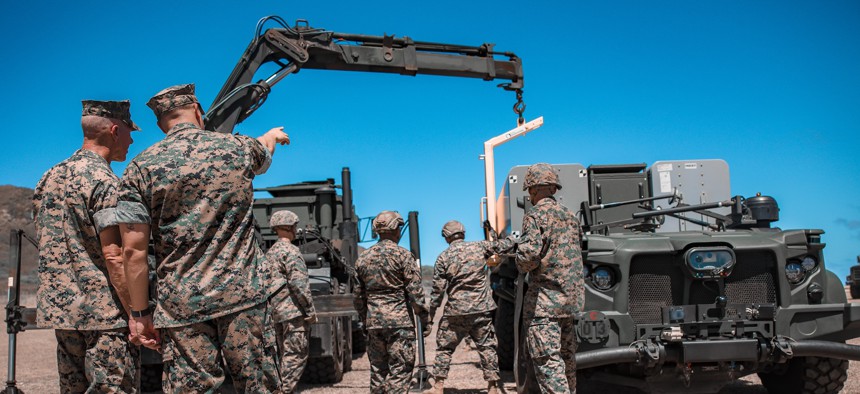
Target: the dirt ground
(36, 371)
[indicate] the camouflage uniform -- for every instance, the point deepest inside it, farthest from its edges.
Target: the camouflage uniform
(73, 202)
(461, 271)
(389, 285)
(549, 250)
(194, 189)
(291, 305)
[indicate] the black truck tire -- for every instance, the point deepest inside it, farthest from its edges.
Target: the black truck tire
(504, 326)
(323, 370)
(855, 291)
(807, 375)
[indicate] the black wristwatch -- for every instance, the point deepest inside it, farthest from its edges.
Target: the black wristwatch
(145, 312)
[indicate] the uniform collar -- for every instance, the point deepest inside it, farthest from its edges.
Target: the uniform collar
(182, 126)
(547, 200)
(387, 240)
(456, 241)
(91, 154)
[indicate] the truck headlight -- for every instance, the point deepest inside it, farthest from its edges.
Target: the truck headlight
(794, 273)
(602, 278)
(711, 262)
(808, 263)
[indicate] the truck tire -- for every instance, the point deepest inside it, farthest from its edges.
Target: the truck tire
(346, 333)
(323, 370)
(505, 334)
(807, 375)
(855, 291)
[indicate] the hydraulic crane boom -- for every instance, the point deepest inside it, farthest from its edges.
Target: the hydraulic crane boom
(294, 48)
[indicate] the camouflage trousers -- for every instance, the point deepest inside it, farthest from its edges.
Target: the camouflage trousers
(97, 361)
(552, 348)
(293, 341)
(246, 340)
(392, 356)
(453, 329)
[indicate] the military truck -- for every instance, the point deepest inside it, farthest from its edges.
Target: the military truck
(853, 280)
(328, 240)
(687, 287)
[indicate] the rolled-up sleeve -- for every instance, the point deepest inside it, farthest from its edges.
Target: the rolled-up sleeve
(130, 206)
(104, 203)
(261, 158)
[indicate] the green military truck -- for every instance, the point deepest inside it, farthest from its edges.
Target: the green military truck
(328, 239)
(687, 287)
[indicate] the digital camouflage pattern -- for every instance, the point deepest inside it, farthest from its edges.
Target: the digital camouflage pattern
(293, 341)
(73, 202)
(192, 359)
(100, 361)
(391, 352)
(389, 286)
(283, 218)
(288, 267)
(453, 329)
(195, 189)
(172, 98)
(452, 227)
(550, 251)
(387, 221)
(552, 347)
(109, 109)
(461, 272)
(541, 174)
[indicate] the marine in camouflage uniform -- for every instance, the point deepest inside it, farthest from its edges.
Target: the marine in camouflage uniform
(461, 273)
(550, 251)
(387, 295)
(80, 258)
(292, 306)
(194, 188)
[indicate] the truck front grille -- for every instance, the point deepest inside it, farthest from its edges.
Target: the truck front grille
(659, 281)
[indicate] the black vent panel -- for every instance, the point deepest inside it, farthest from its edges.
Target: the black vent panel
(656, 282)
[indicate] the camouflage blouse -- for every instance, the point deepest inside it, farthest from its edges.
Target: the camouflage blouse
(461, 272)
(290, 274)
(73, 202)
(550, 251)
(389, 285)
(195, 190)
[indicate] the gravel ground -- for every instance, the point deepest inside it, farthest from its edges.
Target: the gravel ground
(37, 373)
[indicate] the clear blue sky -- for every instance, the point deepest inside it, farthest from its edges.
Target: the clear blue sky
(772, 87)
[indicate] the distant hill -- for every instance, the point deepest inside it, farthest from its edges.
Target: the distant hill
(16, 212)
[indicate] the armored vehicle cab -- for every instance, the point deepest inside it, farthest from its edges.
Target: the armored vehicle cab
(686, 287)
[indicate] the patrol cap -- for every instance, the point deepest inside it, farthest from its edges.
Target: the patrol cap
(387, 221)
(541, 174)
(452, 227)
(109, 109)
(172, 98)
(283, 218)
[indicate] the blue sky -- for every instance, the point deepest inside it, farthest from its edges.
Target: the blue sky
(771, 87)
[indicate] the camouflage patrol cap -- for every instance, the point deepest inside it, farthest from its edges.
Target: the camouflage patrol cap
(109, 109)
(452, 227)
(387, 221)
(541, 174)
(172, 98)
(283, 218)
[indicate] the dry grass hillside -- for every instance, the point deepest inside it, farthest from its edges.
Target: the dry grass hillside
(16, 212)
